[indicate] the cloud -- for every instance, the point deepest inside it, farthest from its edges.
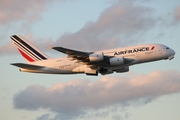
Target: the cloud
(23, 11)
(177, 15)
(18, 10)
(123, 23)
(9, 47)
(18, 13)
(76, 97)
(171, 19)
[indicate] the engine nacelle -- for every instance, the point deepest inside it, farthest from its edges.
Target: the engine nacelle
(124, 69)
(116, 61)
(97, 57)
(105, 71)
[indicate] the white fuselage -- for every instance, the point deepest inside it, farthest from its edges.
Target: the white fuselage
(138, 54)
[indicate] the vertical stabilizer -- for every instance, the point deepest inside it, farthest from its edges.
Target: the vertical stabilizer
(27, 50)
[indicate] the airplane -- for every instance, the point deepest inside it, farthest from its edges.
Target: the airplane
(91, 63)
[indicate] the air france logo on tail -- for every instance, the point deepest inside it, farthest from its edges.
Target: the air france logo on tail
(135, 50)
(29, 52)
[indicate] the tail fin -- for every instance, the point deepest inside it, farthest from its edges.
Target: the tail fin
(27, 50)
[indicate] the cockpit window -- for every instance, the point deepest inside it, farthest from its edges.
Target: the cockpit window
(167, 47)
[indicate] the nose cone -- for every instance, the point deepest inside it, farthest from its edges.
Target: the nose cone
(172, 53)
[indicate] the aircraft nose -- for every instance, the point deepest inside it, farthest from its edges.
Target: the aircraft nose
(172, 53)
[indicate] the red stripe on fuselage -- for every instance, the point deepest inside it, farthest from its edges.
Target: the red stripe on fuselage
(26, 56)
(152, 47)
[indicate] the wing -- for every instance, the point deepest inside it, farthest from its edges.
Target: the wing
(74, 54)
(27, 66)
(70, 51)
(93, 59)
(84, 57)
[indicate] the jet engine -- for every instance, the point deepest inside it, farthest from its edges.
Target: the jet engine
(96, 57)
(124, 69)
(104, 71)
(116, 61)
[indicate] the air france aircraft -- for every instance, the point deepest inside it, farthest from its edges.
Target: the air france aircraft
(90, 63)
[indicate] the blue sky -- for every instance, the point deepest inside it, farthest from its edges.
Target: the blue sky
(149, 91)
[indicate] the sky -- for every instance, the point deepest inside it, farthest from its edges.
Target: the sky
(148, 91)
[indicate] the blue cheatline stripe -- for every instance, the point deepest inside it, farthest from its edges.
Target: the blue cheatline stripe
(29, 47)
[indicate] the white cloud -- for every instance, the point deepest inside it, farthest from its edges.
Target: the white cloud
(7, 49)
(177, 15)
(77, 96)
(121, 24)
(18, 13)
(18, 10)
(10, 48)
(118, 25)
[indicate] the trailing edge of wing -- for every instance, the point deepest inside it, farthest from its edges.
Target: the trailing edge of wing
(84, 57)
(71, 52)
(27, 66)
(74, 54)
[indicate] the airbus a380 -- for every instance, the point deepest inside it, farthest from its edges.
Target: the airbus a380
(90, 63)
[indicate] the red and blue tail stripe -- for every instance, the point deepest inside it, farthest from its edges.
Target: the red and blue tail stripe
(27, 50)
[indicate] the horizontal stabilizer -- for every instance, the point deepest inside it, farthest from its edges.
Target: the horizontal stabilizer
(27, 66)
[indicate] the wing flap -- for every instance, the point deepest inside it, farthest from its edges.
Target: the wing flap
(27, 66)
(83, 57)
(74, 54)
(70, 51)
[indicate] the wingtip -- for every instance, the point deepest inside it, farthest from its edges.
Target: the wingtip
(54, 48)
(12, 63)
(50, 47)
